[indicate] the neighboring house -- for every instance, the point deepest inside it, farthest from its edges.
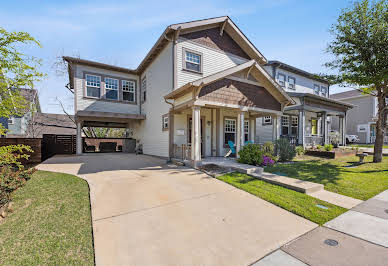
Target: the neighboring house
(18, 125)
(201, 85)
(362, 118)
(58, 124)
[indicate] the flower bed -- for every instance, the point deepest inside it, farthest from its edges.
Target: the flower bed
(335, 153)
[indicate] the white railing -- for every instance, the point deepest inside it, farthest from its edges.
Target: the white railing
(373, 139)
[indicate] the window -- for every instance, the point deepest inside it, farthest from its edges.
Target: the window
(282, 79)
(267, 120)
(144, 89)
(246, 130)
(165, 122)
(316, 89)
(285, 125)
(93, 84)
(229, 130)
(291, 83)
(314, 127)
(294, 125)
(192, 61)
(324, 91)
(111, 89)
(128, 90)
(11, 121)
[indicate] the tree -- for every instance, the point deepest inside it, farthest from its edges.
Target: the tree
(360, 47)
(17, 70)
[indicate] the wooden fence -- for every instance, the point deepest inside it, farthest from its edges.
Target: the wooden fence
(34, 143)
(57, 144)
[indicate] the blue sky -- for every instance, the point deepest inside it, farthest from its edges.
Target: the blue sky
(122, 32)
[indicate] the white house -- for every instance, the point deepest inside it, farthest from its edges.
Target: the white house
(202, 84)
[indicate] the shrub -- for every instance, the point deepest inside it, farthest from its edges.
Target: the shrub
(319, 147)
(251, 154)
(10, 180)
(299, 150)
(328, 147)
(284, 150)
(12, 155)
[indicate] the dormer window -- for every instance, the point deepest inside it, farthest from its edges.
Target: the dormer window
(282, 80)
(111, 88)
(193, 61)
(291, 83)
(316, 89)
(93, 84)
(324, 91)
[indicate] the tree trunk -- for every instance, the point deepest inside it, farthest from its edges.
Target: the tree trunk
(380, 129)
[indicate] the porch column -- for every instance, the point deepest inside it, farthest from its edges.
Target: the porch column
(325, 132)
(79, 147)
(196, 136)
(252, 129)
(301, 126)
(342, 121)
(276, 124)
(171, 135)
(240, 133)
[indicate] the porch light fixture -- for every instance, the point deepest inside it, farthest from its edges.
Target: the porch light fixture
(209, 123)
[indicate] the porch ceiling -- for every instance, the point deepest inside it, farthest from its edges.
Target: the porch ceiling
(106, 119)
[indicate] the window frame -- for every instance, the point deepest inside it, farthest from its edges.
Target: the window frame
(165, 125)
(284, 82)
(11, 119)
(246, 127)
(326, 91)
(92, 86)
(268, 122)
(288, 83)
(200, 64)
(316, 126)
(317, 90)
(143, 89)
(134, 90)
(292, 126)
(230, 132)
(110, 89)
(282, 124)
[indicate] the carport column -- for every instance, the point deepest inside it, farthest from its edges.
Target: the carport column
(301, 126)
(196, 136)
(342, 121)
(79, 138)
(325, 128)
(240, 132)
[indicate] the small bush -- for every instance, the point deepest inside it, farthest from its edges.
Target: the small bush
(268, 161)
(251, 154)
(10, 180)
(284, 150)
(299, 150)
(319, 147)
(328, 147)
(12, 155)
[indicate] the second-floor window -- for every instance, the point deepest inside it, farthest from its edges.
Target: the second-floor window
(111, 89)
(93, 86)
(291, 83)
(144, 89)
(316, 89)
(192, 61)
(324, 91)
(282, 80)
(128, 90)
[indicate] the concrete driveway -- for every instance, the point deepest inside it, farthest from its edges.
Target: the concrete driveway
(146, 212)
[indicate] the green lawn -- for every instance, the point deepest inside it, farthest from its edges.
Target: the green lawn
(50, 223)
(295, 202)
(360, 182)
(366, 146)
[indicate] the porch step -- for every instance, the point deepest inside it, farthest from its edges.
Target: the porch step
(291, 183)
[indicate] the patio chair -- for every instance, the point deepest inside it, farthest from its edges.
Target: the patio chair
(232, 148)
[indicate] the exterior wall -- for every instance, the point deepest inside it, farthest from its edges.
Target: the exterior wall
(159, 83)
(213, 61)
(83, 103)
(302, 84)
(264, 133)
(360, 116)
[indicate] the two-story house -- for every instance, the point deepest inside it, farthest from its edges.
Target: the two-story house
(362, 118)
(202, 84)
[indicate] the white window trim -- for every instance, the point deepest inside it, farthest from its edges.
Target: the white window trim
(284, 82)
(12, 119)
(129, 89)
(107, 89)
(143, 90)
(185, 50)
(268, 122)
(323, 88)
(318, 90)
(165, 122)
(246, 128)
(288, 85)
(229, 131)
(92, 86)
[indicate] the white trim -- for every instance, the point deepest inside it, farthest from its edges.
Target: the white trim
(111, 89)
(92, 86)
(239, 107)
(244, 80)
(129, 89)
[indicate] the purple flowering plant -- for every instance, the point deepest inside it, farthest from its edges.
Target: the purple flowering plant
(267, 161)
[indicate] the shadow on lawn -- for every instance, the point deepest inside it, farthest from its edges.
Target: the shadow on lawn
(312, 170)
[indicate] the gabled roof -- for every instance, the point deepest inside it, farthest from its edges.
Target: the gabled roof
(172, 32)
(347, 94)
(320, 98)
(278, 92)
(295, 70)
